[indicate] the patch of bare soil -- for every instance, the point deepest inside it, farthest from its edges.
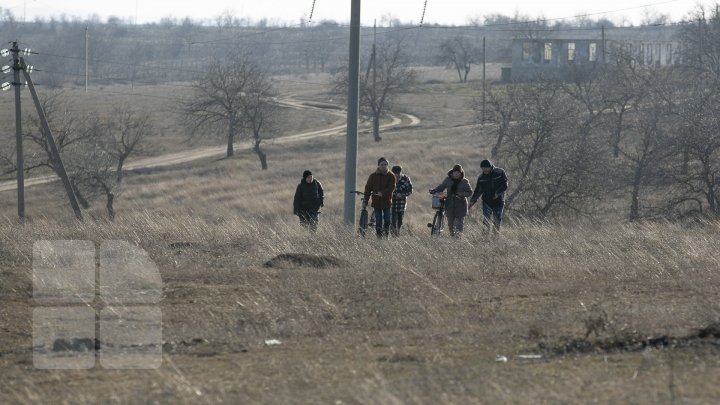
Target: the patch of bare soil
(708, 336)
(286, 260)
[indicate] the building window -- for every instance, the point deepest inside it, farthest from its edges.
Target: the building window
(571, 51)
(548, 51)
(526, 51)
(592, 52)
(641, 54)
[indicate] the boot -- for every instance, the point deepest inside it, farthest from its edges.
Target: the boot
(379, 233)
(395, 231)
(386, 231)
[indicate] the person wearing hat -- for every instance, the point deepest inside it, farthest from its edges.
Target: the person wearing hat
(308, 200)
(456, 203)
(490, 188)
(380, 185)
(403, 189)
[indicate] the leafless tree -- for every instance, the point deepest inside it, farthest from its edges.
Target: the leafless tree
(500, 101)
(699, 136)
(223, 99)
(555, 165)
(92, 170)
(319, 45)
(383, 80)
(69, 130)
(259, 112)
(623, 88)
(648, 152)
(124, 133)
(459, 52)
(93, 150)
(701, 44)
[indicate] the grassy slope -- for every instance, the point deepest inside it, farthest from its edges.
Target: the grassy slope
(407, 320)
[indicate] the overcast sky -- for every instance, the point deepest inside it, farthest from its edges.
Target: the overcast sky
(457, 12)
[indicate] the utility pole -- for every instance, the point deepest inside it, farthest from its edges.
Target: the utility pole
(603, 44)
(18, 134)
(352, 115)
(51, 142)
(376, 118)
(482, 121)
(86, 58)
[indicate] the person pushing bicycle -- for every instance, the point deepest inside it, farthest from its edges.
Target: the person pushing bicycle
(456, 203)
(380, 185)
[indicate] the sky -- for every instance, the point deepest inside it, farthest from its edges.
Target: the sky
(445, 12)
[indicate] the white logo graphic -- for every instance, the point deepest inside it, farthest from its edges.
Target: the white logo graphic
(78, 319)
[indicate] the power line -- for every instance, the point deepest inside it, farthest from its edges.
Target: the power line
(312, 9)
(123, 63)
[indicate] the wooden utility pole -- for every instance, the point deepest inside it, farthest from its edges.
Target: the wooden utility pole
(18, 134)
(51, 142)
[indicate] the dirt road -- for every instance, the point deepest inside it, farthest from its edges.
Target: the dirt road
(397, 120)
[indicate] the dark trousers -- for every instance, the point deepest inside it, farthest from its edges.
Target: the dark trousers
(382, 221)
(309, 219)
(492, 214)
(397, 220)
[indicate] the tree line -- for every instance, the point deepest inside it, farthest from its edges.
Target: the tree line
(174, 49)
(645, 135)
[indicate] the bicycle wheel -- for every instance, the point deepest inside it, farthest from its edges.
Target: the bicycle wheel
(437, 224)
(363, 223)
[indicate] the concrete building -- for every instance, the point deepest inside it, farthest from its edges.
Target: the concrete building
(553, 56)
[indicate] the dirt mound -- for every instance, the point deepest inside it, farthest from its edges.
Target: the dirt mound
(304, 260)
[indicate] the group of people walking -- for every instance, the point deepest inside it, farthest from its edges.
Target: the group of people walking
(387, 192)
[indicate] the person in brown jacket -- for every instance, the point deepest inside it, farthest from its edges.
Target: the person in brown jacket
(456, 205)
(380, 186)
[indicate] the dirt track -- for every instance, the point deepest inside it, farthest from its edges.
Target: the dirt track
(397, 120)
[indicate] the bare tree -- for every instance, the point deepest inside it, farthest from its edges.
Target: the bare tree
(701, 44)
(125, 133)
(501, 111)
(68, 128)
(259, 112)
(384, 79)
(459, 52)
(554, 162)
(92, 170)
(648, 152)
(319, 45)
(623, 89)
(699, 136)
(221, 98)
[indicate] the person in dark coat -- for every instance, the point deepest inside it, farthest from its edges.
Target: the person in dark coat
(308, 200)
(490, 188)
(456, 204)
(380, 186)
(403, 189)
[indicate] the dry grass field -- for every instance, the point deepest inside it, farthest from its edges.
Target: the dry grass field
(610, 312)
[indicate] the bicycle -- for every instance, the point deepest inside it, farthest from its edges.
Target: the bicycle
(363, 221)
(438, 223)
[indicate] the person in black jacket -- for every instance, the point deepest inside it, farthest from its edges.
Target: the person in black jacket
(490, 188)
(308, 200)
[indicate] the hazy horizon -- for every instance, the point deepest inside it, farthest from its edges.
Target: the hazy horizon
(284, 12)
